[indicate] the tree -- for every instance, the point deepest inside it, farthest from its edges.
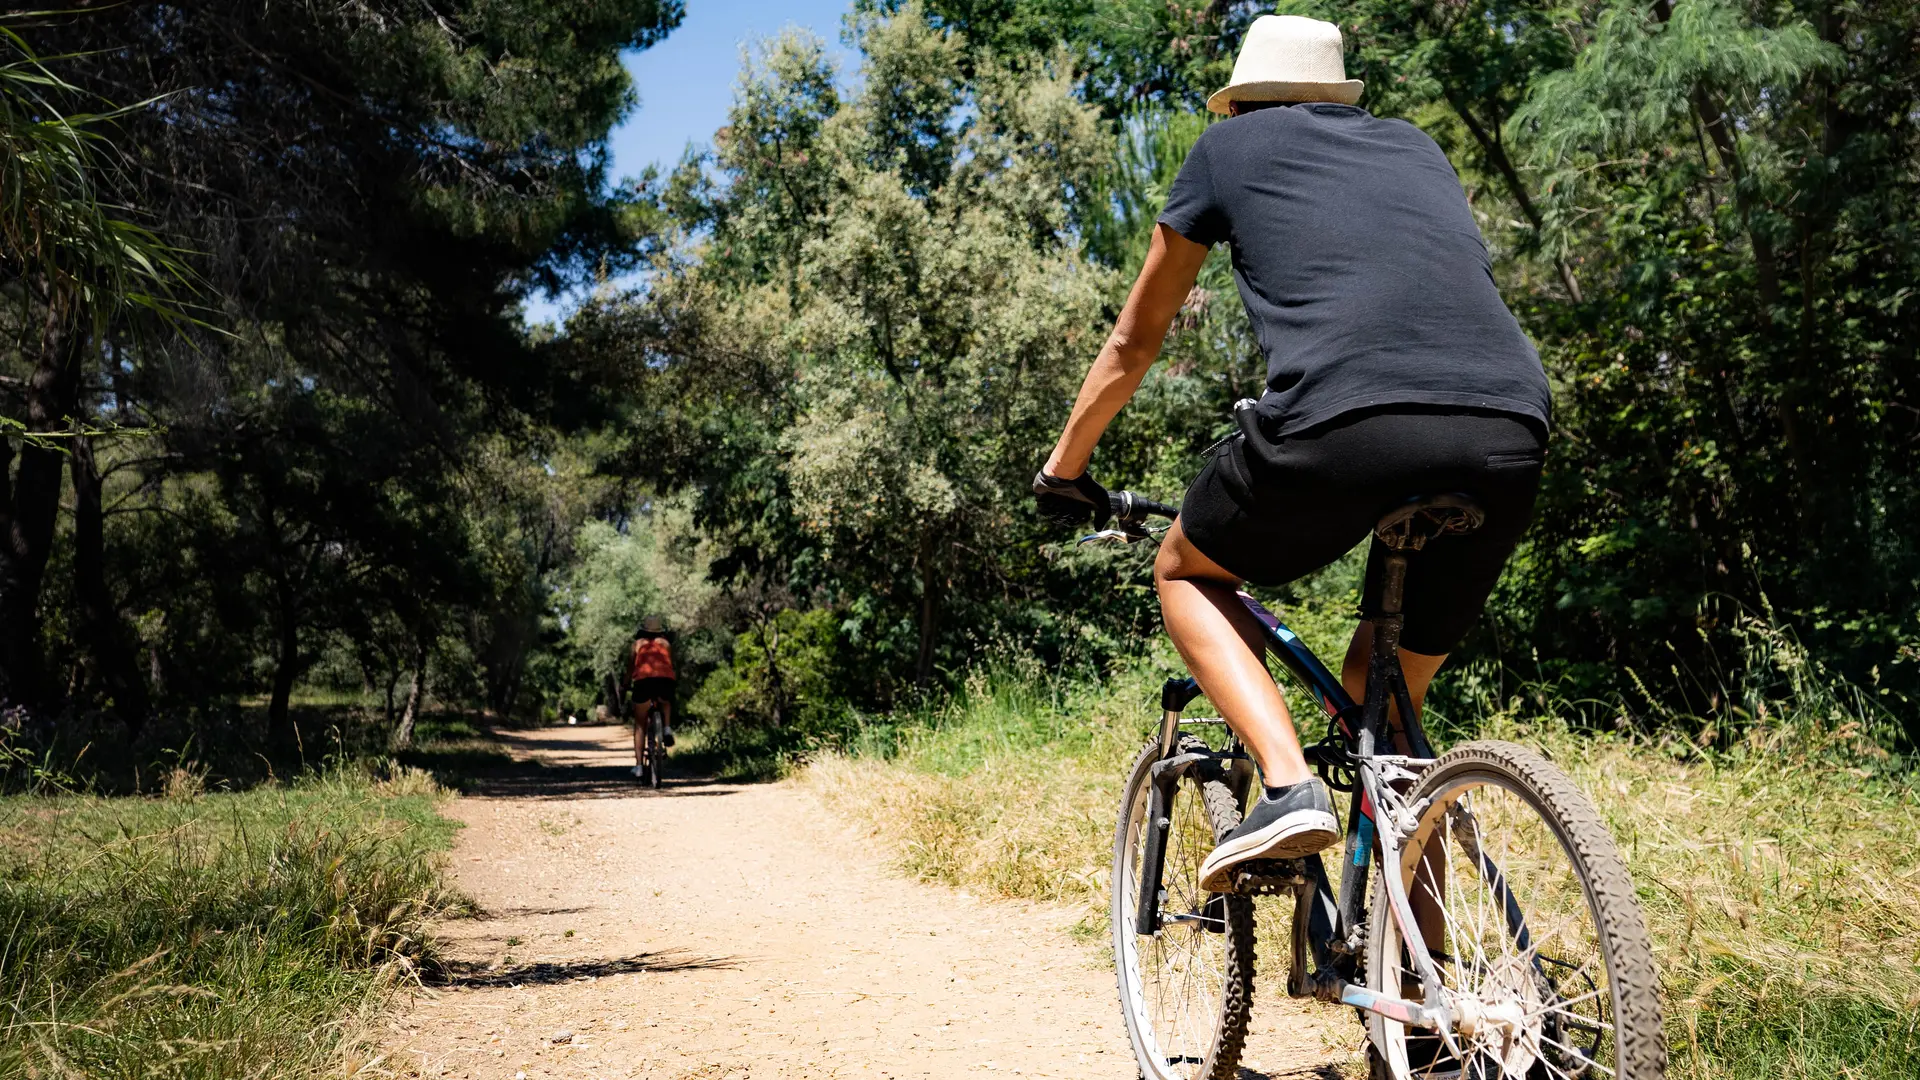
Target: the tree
(72, 266)
(921, 310)
(1739, 404)
(369, 190)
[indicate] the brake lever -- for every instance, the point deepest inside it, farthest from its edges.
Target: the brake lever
(1125, 534)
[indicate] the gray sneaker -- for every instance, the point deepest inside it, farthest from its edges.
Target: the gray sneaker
(1284, 823)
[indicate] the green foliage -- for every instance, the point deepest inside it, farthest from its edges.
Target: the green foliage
(786, 672)
(87, 258)
(909, 304)
(1634, 81)
(614, 591)
(212, 935)
(615, 579)
(1733, 396)
(1162, 54)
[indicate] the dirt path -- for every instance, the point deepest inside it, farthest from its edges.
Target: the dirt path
(735, 931)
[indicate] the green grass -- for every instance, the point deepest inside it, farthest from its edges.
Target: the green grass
(213, 935)
(1779, 870)
(741, 753)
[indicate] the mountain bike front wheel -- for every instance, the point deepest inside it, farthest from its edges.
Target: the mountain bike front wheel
(1186, 990)
(1530, 918)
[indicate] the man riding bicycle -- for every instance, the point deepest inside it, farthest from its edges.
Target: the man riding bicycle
(651, 679)
(1393, 368)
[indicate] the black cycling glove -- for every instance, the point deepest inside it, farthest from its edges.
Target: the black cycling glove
(1071, 502)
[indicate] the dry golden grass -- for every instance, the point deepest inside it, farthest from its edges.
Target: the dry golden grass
(1780, 876)
(1025, 828)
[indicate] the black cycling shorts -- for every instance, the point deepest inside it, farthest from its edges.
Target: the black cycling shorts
(1272, 511)
(658, 688)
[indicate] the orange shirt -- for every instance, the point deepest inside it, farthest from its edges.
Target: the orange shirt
(652, 659)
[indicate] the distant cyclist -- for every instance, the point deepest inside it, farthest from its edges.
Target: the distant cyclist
(1393, 370)
(652, 683)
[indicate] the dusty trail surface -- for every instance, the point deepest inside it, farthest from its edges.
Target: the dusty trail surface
(733, 931)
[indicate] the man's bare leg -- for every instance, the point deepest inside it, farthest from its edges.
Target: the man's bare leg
(639, 734)
(1418, 667)
(1222, 643)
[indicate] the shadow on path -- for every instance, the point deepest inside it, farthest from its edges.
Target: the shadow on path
(589, 765)
(532, 780)
(474, 976)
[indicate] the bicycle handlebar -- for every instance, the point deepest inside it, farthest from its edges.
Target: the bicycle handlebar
(1130, 513)
(1131, 509)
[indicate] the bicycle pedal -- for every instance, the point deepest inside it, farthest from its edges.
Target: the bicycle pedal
(1268, 877)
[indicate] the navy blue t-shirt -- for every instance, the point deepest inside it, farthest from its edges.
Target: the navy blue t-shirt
(1360, 264)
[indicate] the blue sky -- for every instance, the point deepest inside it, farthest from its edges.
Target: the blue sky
(686, 82)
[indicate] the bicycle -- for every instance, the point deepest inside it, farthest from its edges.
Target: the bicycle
(655, 744)
(1547, 971)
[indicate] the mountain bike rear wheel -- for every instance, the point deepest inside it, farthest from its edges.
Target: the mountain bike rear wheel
(1186, 991)
(656, 747)
(1531, 920)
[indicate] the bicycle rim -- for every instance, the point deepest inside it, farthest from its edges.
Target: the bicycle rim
(1540, 935)
(1185, 991)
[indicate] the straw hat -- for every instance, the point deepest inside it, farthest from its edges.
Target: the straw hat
(653, 624)
(1289, 58)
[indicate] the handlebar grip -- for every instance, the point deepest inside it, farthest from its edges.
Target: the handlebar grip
(1157, 509)
(1134, 510)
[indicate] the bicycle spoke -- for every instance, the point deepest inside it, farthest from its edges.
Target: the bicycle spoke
(1453, 928)
(1554, 1005)
(1584, 1059)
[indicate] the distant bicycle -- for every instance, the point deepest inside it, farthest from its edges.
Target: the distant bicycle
(1501, 937)
(653, 745)
(651, 684)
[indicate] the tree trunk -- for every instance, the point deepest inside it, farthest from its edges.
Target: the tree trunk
(19, 663)
(363, 656)
(279, 715)
(1713, 117)
(1496, 155)
(776, 685)
(30, 505)
(103, 634)
(615, 705)
(403, 733)
(929, 611)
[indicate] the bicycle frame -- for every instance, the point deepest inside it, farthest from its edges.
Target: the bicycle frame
(1329, 928)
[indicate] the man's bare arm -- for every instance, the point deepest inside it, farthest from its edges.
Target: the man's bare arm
(1173, 262)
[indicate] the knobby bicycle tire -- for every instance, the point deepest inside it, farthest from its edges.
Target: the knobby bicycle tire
(656, 749)
(1235, 1008)
(1620, 930)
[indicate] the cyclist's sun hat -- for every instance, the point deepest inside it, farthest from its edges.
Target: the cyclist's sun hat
(1289, 58)
(653, 624)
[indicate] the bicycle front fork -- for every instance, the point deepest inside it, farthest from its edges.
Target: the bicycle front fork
(1175, 695)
